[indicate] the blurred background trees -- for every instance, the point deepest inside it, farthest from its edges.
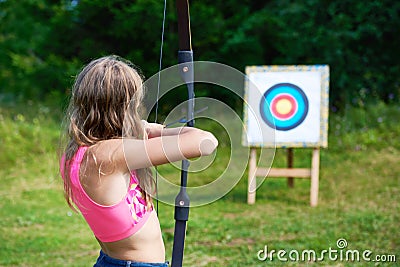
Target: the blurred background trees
(44, 43)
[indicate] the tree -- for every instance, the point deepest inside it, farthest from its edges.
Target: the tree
(44, 43)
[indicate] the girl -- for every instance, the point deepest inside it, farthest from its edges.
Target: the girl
(107, 177)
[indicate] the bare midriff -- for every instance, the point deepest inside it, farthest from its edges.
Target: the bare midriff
(146, 245)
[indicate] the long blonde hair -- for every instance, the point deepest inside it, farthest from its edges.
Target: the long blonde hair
(105, 104)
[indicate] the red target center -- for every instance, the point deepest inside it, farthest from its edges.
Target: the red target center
(283, 106)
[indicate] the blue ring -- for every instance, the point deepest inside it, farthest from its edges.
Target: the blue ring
(296, 119)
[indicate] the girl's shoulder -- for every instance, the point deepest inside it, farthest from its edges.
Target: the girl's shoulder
(107, 154)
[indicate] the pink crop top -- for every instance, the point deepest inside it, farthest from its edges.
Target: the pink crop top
(109, 223)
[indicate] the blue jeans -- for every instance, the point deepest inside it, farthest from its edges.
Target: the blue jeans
(106, 261)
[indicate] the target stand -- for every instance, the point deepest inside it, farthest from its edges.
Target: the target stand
(289, 172)
(286, 107)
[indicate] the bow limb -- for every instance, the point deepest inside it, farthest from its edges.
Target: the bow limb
(185, 60)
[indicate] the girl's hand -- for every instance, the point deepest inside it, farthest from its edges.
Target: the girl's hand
(152, 129)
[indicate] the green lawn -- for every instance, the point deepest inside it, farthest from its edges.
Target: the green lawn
(359, 200)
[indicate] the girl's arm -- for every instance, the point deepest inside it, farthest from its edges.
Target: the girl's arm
(172, 144)
(157, 130)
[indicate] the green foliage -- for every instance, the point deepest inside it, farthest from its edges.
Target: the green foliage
(27, 135)
(28, 70)
(363, 128)
(44, 43)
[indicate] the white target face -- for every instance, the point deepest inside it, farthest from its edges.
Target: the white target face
(292, 100)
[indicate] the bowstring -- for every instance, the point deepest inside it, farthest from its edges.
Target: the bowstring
(158, 87)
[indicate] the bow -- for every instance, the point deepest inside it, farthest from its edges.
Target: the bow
(185, 60)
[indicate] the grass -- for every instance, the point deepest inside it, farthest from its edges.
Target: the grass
(359, 199)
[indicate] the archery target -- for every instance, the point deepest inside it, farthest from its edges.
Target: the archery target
(284, 106)
(290, 100)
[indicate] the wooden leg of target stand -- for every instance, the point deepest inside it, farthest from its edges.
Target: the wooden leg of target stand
(314, 178)
(290, 180)
(251, 188)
